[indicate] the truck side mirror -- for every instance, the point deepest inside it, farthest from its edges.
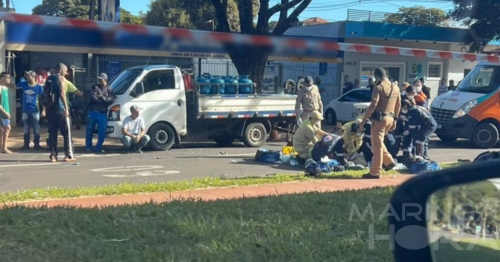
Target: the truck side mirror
(138, 90)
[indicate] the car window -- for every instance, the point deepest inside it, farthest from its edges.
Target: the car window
(360, 95)
(159, 80)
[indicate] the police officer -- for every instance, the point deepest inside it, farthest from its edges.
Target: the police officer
(307, 135)
(309, 99)
(383, 112)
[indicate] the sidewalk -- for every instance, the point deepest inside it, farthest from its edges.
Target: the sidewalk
(324, 185)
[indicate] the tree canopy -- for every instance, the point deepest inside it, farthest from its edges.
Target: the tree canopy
(78, 9)
(418, 15)
(482, 19)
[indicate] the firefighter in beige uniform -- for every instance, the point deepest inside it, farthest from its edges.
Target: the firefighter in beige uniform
(307, 135)
(309, 98)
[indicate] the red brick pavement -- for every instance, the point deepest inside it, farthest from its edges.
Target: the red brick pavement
(324, 185)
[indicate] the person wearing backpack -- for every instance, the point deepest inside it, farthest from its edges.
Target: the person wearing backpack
(100, 98)
(31, 91)
(55, 102)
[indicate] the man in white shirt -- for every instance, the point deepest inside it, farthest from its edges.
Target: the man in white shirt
(134, 131)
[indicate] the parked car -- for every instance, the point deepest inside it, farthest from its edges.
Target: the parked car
(343, 110)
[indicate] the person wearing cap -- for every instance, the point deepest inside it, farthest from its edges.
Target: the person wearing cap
(134, 131)
(307, 134)
(309, 99)
(383, 112)
(100, 98)
(31, 92)
(58, 116)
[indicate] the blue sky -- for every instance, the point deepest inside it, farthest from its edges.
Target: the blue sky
(332, 10)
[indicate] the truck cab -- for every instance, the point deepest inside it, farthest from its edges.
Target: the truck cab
(171, 107)
(472, 111)
(160, 92)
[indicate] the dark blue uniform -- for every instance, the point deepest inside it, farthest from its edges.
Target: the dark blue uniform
(421, 125)
(334, 150)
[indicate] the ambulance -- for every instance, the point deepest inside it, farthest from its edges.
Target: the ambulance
(472, 111)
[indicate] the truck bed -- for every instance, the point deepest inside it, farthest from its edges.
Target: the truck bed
(245, 106)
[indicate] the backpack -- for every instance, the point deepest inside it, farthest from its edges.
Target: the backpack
(423, 166)
(267, 156)
(486, 156)
(47, 98)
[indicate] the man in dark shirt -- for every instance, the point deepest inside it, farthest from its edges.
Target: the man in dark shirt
(100, 98)
(347, 86)
(452, 85)
(371, 84)
(421, 125)
(425, 89)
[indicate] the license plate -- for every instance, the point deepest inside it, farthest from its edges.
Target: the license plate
(439, 126)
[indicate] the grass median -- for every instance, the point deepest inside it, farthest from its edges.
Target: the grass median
(297, 227)
(172, 186)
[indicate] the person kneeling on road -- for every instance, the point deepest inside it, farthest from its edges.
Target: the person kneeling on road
(134, 131)
(421, 125)
(306, 136)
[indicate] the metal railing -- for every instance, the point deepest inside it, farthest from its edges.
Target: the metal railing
(364, 15)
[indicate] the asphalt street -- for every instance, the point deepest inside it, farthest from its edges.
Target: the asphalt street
(31, 169)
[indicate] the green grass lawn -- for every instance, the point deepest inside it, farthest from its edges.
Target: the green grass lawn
(487, 250)
(300, 227)
(197, 183)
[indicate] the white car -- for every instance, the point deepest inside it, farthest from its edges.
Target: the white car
(343, 110)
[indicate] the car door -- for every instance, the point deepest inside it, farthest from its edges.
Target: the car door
(160, 100)
(345, 107)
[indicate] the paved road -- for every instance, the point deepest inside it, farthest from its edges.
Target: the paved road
(32, 169)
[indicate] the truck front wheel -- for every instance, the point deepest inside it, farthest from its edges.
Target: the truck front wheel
(255, 135)
(162, 137)
(485, 136)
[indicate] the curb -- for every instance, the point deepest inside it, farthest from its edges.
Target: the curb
(213, 194)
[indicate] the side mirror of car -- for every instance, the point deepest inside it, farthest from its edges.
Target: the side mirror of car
(448, 215)
(138, 90)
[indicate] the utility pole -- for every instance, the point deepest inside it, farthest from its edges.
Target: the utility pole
(92, 10)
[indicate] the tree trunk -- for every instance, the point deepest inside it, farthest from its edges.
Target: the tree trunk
(251, 63)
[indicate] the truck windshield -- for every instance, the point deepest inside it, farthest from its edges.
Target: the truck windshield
(483, 79)
(122, 82)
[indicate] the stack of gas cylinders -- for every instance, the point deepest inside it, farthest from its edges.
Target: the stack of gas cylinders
(212, 85)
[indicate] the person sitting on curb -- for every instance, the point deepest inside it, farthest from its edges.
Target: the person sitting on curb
(134, 131)
(306, 136)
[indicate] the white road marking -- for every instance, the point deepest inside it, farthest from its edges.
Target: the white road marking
(22, 165)
(146, 173)
(246, 154)
(97, 155)
(125, 168)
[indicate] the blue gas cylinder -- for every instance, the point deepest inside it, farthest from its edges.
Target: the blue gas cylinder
(204, 85)
(231, 85)
(245, 85)
(217, 85)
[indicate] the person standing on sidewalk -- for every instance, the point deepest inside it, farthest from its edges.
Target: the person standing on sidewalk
(383, 112)
(31, 91)
(58, 113)
(4, 112)
(100, 98)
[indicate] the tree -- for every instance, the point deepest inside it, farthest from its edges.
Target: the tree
(250, 60)
(481, 17)
(418, 15)
(128, 18)
(198, 13)
(65, 8)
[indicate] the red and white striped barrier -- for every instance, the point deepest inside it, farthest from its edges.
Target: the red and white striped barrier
(208, 37)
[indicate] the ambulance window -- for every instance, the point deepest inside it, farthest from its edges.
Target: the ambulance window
(482, 79)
